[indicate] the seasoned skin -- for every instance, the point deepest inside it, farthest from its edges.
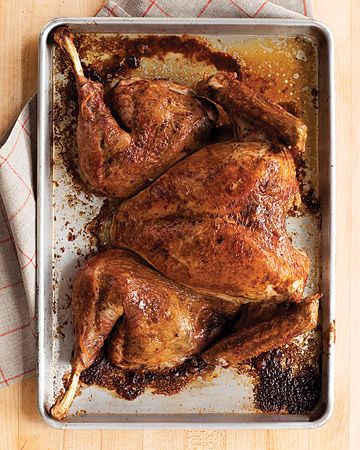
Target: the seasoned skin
(252, 339)
(243, 104)
(161, 323)
(96, 306)
(166, 121)
(99, 139)
(216, 222)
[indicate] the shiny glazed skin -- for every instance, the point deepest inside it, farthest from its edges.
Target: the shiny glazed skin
(166, 121)
(216, 222)
(154, 322)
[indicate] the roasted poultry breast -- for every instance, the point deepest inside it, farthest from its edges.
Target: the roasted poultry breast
(216, 222)
(200, 232)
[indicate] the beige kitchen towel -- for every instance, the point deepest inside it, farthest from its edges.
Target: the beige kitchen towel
(208, 8)
(18, 183)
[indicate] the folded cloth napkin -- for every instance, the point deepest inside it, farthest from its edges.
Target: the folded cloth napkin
(18, 184)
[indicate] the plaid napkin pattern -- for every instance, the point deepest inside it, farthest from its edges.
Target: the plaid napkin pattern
(208, 8)
(18, 183)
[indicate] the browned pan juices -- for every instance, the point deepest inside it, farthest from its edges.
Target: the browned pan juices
(129, 384)
(127, 53)
(285, 70)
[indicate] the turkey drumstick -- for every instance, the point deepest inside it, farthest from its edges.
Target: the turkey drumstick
(154, 323)
(166, 121)
(95, 313)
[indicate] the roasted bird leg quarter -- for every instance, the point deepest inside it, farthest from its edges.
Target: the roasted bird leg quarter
(167, 121)
(156, 323)
(243, 104)
(252, 339)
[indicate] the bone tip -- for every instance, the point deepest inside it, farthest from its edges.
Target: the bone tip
(63, 403)
(59, 411)
(61, 35)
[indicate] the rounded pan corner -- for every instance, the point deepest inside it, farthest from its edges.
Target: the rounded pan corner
(47, 419)
(324, 417)
(49, 27)
(323, 27)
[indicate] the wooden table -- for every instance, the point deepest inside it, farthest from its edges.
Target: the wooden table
(20, 424)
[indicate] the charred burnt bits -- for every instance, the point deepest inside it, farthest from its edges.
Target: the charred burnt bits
(129, 384)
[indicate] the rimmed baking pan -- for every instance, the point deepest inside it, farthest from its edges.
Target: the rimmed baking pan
(230, 398)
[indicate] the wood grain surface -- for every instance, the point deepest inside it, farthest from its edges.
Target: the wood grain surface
(20, 424)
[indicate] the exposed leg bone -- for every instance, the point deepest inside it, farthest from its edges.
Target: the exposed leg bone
(65, 40)
(61, 409)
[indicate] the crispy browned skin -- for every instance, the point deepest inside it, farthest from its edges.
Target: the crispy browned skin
(288, 321)
(216, 222)
(163, 323)
(243, 104)
(166, 121)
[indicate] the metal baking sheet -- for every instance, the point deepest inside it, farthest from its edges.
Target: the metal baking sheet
(227, 400)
